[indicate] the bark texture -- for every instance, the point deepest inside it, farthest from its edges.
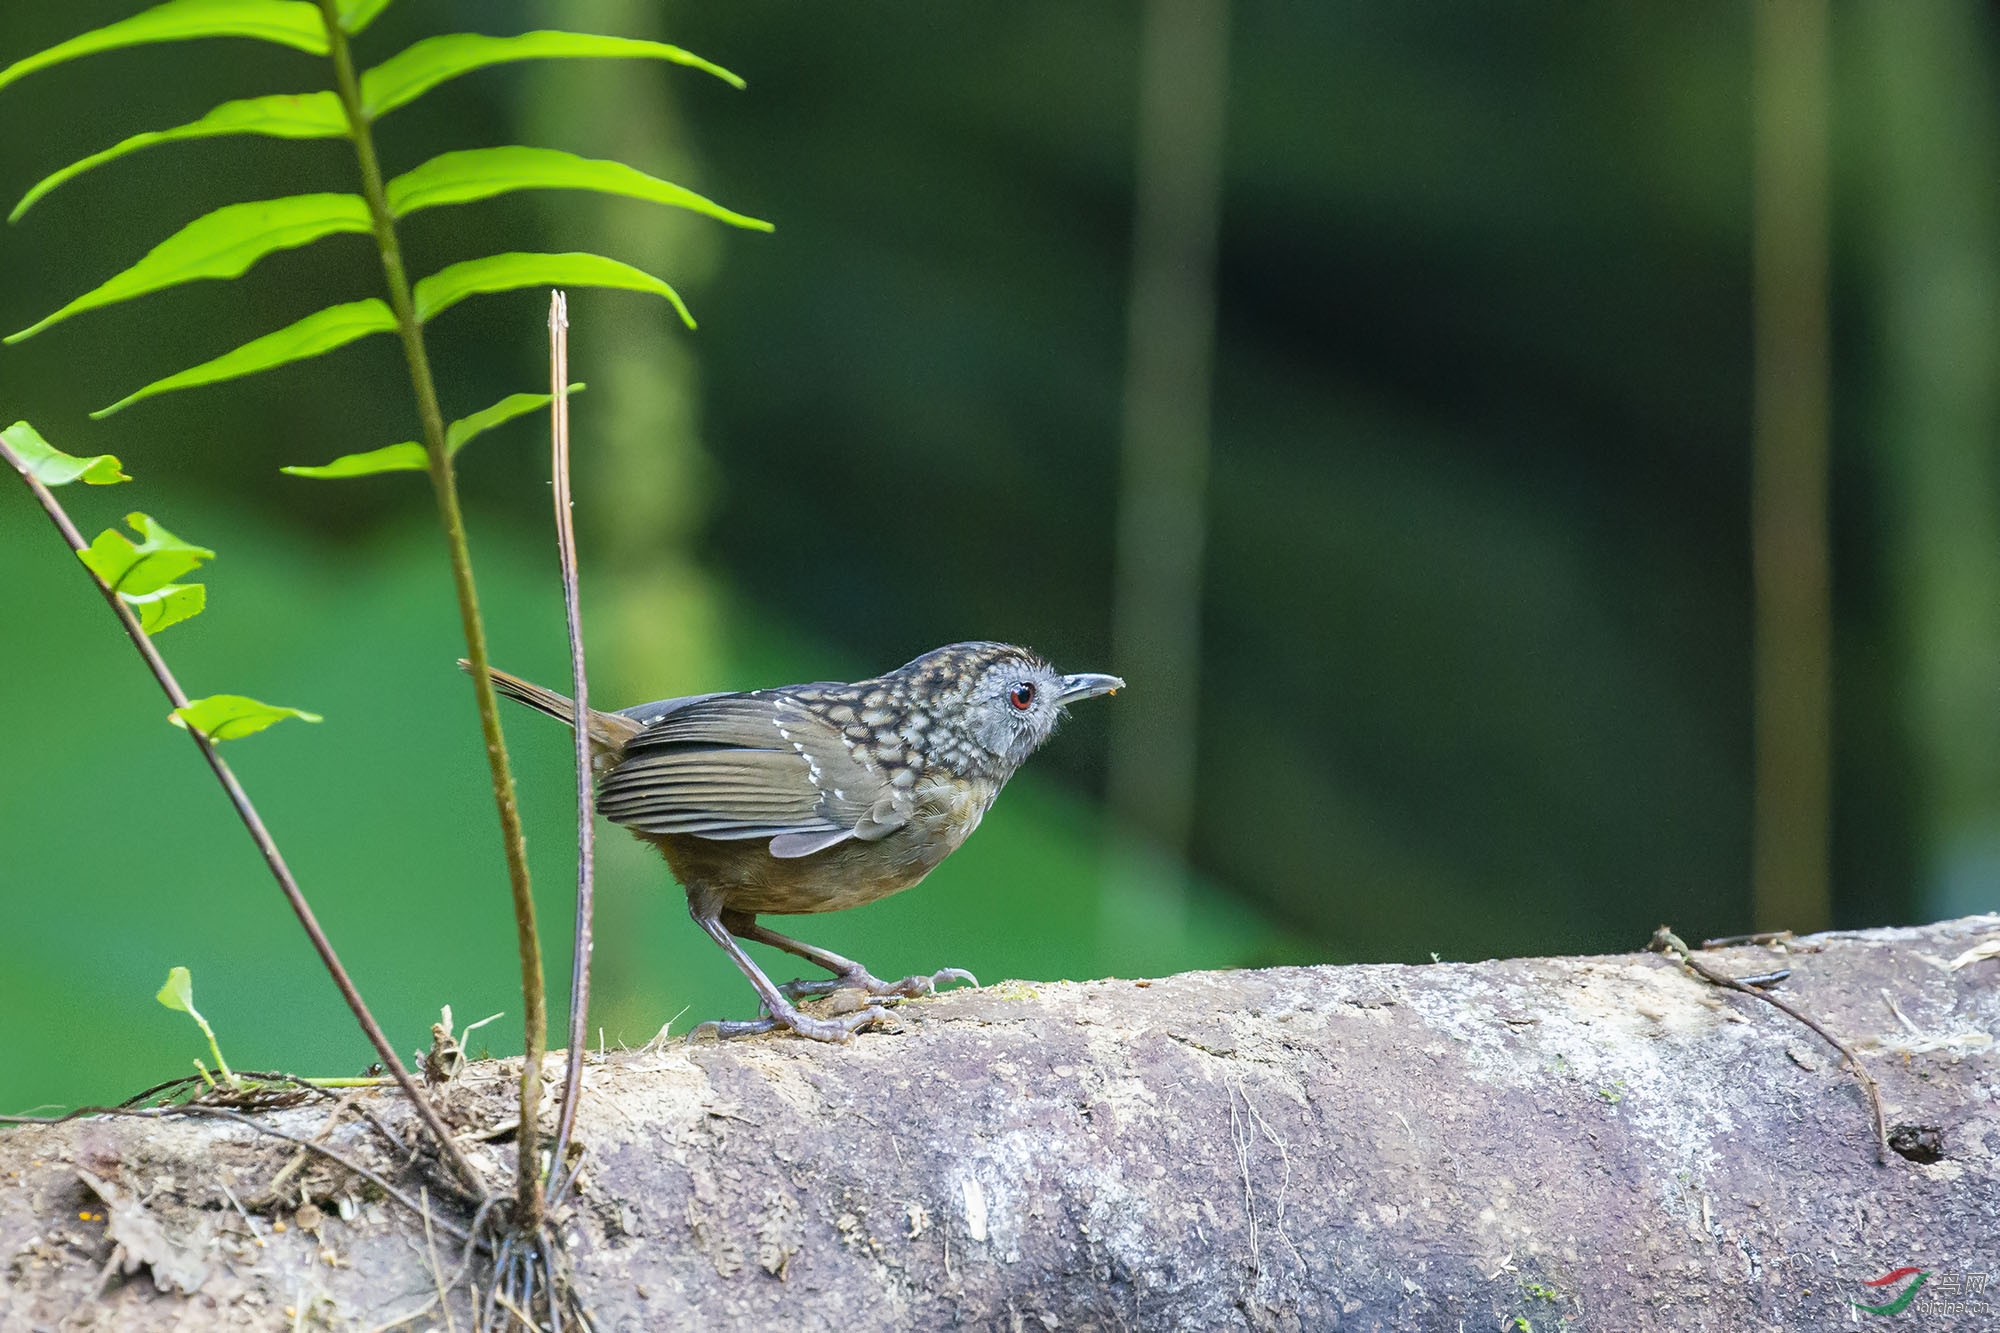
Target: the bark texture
(1587, 1143)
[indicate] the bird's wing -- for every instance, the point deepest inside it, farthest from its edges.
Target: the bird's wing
(746, 766)
(647, 714)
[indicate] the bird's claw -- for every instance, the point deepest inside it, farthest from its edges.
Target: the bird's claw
(860, 1000)
(943, 976)
(840, 1029)
(891, 991)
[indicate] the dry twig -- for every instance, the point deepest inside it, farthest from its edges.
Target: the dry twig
(579, 986)
(1665, 941)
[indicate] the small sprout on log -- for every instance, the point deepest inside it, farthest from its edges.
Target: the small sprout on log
(178, 993)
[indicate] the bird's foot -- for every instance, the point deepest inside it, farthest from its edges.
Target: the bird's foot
(891, 991)
(841, 1029)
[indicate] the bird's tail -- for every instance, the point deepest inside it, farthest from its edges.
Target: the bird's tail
(608, 731)
(557, 706)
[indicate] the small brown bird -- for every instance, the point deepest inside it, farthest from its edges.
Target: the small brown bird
(811, 798)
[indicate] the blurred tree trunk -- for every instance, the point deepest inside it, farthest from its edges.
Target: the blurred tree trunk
(1793, 636)
(1162, 497)
(1933, 131)
(642, 476)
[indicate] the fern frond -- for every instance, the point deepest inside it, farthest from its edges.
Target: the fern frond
(510, 272)
(409, 456)
(280, 116)
(481, 173)
(292, 23)
(221, 244)
(422, 66)
(315, 335)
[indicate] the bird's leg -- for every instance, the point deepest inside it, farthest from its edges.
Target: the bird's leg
(847, 974)
(782, 1013)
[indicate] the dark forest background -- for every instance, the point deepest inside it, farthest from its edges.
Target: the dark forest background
(1475, 614)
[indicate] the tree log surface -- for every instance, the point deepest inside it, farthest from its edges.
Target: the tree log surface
(1585, 1143)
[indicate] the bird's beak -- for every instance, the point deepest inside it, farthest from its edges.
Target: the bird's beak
(1087, 685)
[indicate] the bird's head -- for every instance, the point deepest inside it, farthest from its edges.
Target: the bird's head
(991, 705)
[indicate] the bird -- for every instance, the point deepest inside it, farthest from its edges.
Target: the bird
(818, 797)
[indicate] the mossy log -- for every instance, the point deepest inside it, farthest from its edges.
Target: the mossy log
(1605, 1143)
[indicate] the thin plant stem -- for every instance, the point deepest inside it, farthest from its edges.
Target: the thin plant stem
(586, 813)
(444, 484)
(1665, 941)
(259, 834)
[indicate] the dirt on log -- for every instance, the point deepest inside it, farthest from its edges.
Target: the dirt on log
(1585, 1143)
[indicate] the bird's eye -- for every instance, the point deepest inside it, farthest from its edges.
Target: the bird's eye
(1021, 696)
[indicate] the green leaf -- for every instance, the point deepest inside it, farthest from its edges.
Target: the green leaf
(355, 15)
(316, 334)
(505, 273)
(178, 993)
(480, 173)
(225, 717)
(52, 467)
(157, 560)
(462, 431)
(415, 70)
(292, 23)
(281, 116)
(222, 244)
(167, 606)
(409, 456)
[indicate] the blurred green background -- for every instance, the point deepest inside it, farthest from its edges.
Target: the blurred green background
(1475, 613)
